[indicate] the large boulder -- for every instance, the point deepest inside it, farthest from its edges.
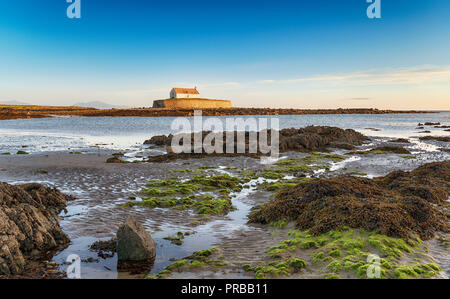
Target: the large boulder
(28, 224)
(134, 243)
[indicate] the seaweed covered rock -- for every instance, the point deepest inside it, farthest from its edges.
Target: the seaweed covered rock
(315, 138)
(312, 138)
(436, 138)
(28, 224)
(113, 160)
(400, 140)
(430, 182)
(399, 204)
(389, 149)
(160, 140)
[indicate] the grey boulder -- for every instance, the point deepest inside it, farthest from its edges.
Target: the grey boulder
(134, 243)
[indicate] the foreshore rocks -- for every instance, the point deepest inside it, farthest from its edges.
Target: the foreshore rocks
(388, 149)
(317, 138)
(28, 224)
(401, 204)
(134, 245)
(436, 138)
(113, 160)
(160, 140)
(312, 138)
(400, 140)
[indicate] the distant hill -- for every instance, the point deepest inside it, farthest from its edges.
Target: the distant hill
(98, 105)
(17, 103)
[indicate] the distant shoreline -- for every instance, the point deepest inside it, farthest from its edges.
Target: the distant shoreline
(24, 112)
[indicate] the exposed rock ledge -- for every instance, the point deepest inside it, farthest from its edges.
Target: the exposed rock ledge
(28, 224)
(312, 138)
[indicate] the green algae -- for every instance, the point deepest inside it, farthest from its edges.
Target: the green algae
(408, 157)
(272, 175)
(331, 276)
(177, 264)
(280, 223)
(177, 239)
(300, 165)
(383, 150)
(185, 171)
(276, 269)
(199, 259)
(354, 252)
(275, 186)
(202, 254)
(214, 199)
(335, 266)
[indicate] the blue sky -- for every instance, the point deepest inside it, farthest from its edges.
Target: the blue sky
(304, 54)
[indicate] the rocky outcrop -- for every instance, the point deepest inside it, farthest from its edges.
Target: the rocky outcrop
(160, 140)
(436, 138)
(400, 140)
(388, 149)
(315, 138)
(113, 160)
(28, 224)
(312, 138)
(134, 243)
(401, 204)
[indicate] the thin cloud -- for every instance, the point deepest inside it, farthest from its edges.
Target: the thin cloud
(400, 76)
(358, 99)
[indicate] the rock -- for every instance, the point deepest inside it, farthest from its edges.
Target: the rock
(400, 204)
(432, 124)
(134, 243)
(373, 129)
(389, 149)
(436, 138)
(312, 138)
(109, 245)
(104, 249)
(342, 145)
(113, 160)
(393, 149)
(400, 140)
(28, 224)
(160, 140)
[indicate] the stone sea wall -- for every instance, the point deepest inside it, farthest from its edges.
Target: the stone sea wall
(191, 103)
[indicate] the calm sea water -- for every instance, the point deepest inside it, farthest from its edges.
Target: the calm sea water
(63, 133)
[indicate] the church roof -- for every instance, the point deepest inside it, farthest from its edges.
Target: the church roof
(186, 90)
